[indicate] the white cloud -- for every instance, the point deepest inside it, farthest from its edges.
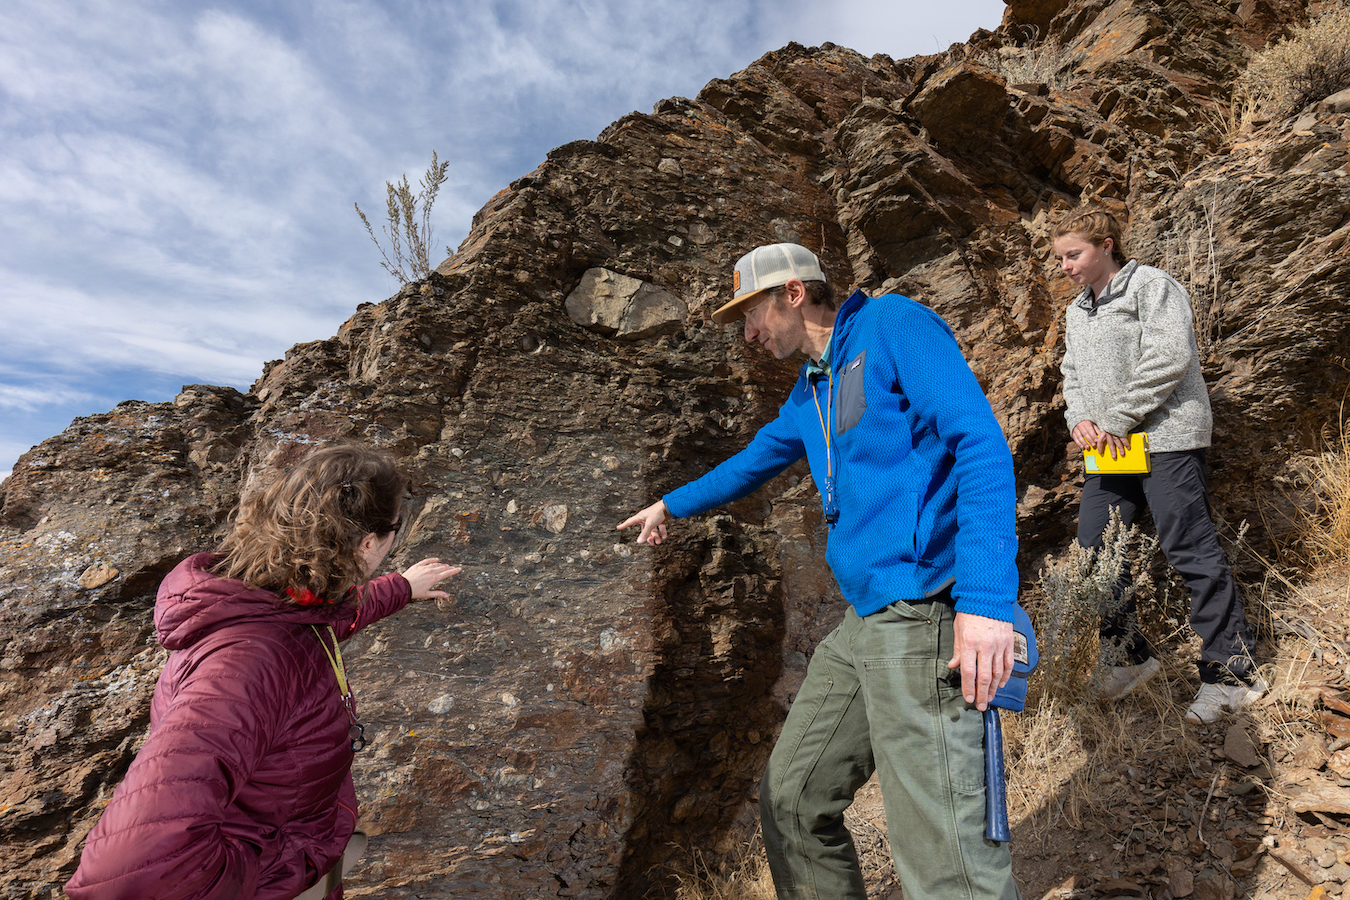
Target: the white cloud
(178, 180)
(130, 203)
(268, 102)
(32, 397)
(206, 335)
(78, 56)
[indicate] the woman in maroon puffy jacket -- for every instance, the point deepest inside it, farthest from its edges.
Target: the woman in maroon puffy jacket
(243, 788)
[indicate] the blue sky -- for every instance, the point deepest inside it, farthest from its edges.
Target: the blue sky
(177, 179)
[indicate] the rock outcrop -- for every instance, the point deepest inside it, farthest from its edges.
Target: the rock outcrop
(585, 713)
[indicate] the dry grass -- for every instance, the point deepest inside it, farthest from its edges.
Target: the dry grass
(1190, 251)
(743, 877)
(1325, 533)
(1061, 756)
(1312, 627)
(1036, 63)
(1221, 120)
(1311, 65)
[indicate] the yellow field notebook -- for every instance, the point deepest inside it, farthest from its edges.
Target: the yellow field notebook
(1132, 462)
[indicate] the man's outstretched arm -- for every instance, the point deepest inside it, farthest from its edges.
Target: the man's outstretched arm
(653, 522)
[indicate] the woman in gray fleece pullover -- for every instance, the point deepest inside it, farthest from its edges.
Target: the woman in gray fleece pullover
(1130, 365)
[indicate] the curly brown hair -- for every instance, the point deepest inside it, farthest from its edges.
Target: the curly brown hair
(1095, 225)
(303, 530)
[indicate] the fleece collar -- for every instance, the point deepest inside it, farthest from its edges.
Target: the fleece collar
(1114, 288)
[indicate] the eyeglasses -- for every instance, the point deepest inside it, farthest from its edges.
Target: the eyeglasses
(770, 296)
(398, 526)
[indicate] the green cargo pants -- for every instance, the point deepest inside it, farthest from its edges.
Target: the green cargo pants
(877, 698)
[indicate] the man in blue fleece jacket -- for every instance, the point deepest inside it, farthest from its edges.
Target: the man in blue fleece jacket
(916, 481)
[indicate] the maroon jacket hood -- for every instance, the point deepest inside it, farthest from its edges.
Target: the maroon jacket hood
(194, 602)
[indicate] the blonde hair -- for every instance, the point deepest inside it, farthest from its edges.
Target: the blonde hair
(303, 530)
(1095, 225)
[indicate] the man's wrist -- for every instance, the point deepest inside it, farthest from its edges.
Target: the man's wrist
(985, 611)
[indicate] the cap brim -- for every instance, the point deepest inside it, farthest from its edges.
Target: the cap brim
(730, 312)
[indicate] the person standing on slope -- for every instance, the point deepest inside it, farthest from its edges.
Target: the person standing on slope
(1131, 365)
(916, 481)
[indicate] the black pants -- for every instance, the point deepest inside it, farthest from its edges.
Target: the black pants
(1177, 494)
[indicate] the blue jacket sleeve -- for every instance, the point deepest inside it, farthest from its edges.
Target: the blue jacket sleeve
(775, 447)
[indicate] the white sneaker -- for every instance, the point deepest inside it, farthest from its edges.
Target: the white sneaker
(1213, 699)
(1117, 681)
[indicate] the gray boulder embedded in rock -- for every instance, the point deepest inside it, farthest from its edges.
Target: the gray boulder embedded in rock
(615, 305)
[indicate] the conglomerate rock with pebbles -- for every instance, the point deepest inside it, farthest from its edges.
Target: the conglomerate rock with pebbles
(585, 713)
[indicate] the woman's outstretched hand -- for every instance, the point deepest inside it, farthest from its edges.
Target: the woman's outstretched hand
(423, 576)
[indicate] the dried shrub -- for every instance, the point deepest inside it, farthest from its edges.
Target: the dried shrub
(1074, 592)
(1064, 749)
(1325, 532)
(408, 224)
(1311, 65)
(1043, 62)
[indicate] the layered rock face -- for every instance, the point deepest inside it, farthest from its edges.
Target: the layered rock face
(586, 713)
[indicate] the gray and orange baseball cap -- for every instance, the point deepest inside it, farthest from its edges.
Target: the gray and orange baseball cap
(770, 266)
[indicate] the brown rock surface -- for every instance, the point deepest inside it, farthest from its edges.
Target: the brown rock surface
(584, 712)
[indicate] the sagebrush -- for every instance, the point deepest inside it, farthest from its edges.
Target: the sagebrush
(1310, 65)
(1325, 533)
(1076, 590)
(408, 224)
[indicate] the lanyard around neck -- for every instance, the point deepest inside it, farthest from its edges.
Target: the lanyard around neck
(339, 667)
(826, 418)
(357, 731)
